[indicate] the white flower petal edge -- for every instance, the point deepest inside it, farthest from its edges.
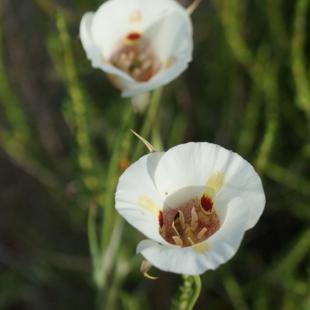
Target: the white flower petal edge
(137, 199)
(164, 24)
(219, 248)
(192, 164)
(169, 181)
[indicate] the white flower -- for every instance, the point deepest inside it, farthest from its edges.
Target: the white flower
(140, 44)
(194, 203)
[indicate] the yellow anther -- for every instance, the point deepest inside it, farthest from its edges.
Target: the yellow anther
(175, 230)
(178, 241)
(194, 221)
(182, 220)
(202, 232)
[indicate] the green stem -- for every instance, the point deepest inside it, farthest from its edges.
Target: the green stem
(86, 159)
(196, 293)
(270, 89)
(235, 293)
(300, 76)
(149, 121)
(13, 111)
(113, 175)
(92, 234)
(189, 293)
(295, 255)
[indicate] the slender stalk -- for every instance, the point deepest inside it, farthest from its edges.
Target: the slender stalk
(18, 123)
(85, 157)
(300, 75)
(92, 234)
(270, 89)
(196, 293)
(189, 293)
(295, 255)
(112, 176)
(149, 121)
(235, 293)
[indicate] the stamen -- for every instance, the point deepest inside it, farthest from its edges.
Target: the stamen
(136, 72)
(146, 64)
(142, 57)
(182, 220)
(203, 218)
(131, 55)
(189, 223)
(202, 232)
(136, 57)
(194, 221)
(122, 57)
(178, 241)
(175, 230)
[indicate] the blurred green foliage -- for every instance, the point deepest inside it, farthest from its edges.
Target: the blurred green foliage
(65, 140)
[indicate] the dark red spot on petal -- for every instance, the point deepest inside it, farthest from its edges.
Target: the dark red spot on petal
(160, 219)
(206, 203)
(133, 36)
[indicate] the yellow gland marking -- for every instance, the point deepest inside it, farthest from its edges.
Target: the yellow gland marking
(201, 247)
(216, 181)
(135, 17)
(148, 204)
(171, 60)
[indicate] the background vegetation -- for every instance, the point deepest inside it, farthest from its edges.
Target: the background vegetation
(65, 140)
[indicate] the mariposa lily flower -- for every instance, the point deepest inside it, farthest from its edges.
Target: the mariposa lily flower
(193, 203)
(140, 44)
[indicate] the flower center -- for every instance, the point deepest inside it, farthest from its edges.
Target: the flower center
(136, 58)
(191, 223)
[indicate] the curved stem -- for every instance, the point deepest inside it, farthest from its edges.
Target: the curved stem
(189, 293)
(196, 293)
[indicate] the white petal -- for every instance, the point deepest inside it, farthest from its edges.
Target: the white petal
(241, 180)
(162, 78)
(222, 246)
(112, 20)
(187, 165)
(164, 22)
(91, 50)
(171, 38)
(110, 25)
(136, 184)
(192, 164)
